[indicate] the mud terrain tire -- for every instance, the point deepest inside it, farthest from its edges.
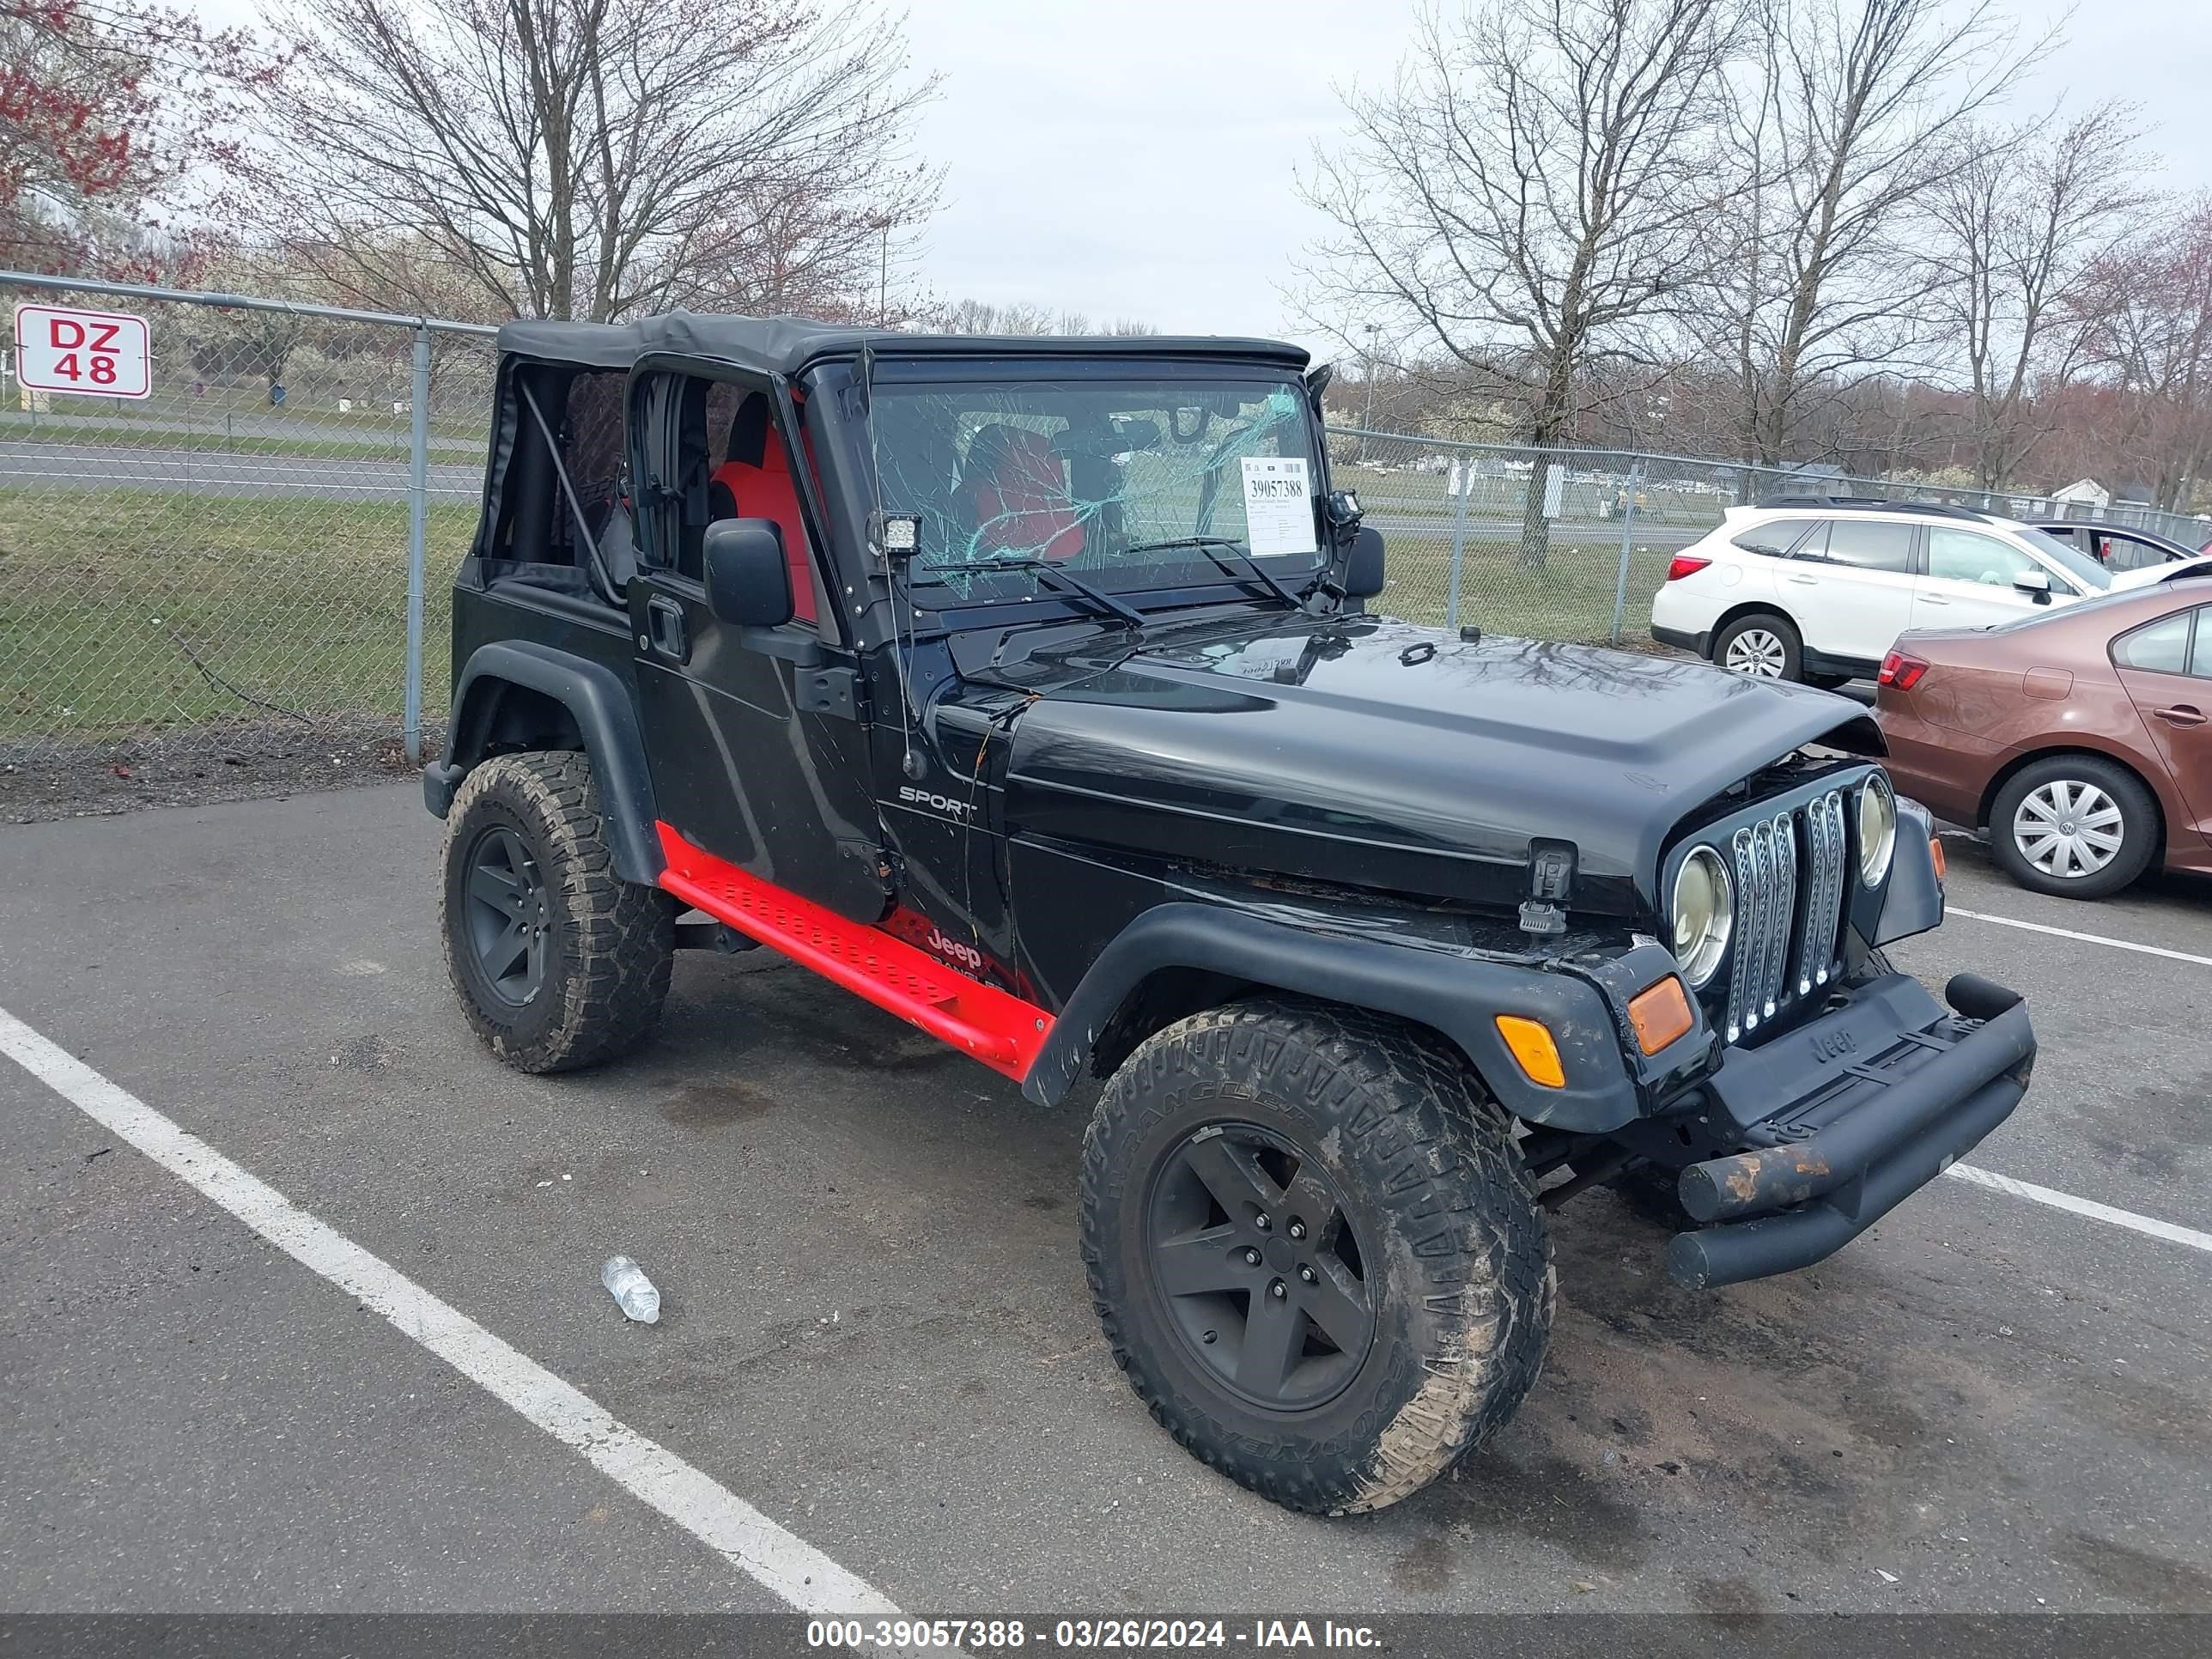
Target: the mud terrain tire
(524, 832)
(1293, 1107)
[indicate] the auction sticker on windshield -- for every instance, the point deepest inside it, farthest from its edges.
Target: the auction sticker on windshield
(1278, 505)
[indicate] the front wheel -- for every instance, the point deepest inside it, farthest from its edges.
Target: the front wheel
(1315, 1250)
(558, 962)
(2076, 826)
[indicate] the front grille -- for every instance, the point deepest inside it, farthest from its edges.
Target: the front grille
(1790, 880)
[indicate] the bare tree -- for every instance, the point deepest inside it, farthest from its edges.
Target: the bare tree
(1855, 109)
(1529, 198)
(2149, 330)
(786, 248)
(586, 158)
(109, 110)
(982, 317)
(2021, 220)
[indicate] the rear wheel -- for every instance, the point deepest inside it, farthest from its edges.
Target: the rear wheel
(1315, 1250)
(1762, 646)
(2076, 826)
(558, 962)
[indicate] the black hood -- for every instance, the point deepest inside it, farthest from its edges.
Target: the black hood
(1386, 755)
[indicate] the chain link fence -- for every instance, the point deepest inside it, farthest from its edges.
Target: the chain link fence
(1573, 543)
(238, 568)
(250, 565)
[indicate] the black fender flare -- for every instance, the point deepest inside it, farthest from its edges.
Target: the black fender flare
(1912, 901)
(1455, 993)
(606, 715)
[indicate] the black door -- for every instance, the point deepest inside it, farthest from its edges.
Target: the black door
(757, 750)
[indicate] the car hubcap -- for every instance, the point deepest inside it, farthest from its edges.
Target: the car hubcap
(509, 915)
(1261, 1271)
(2068, 829)
(1756, 651)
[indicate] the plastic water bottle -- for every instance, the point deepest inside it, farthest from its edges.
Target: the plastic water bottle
(632, 1290)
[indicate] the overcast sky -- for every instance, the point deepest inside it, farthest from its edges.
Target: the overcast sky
(1138, 157)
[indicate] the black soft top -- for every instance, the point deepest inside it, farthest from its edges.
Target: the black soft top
(785, 345)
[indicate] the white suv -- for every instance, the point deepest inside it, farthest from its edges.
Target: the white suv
(1814, 589)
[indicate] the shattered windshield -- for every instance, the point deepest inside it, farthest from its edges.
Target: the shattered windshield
(1124, 484)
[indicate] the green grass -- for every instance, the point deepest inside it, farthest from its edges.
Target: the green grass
(394, 448)
(107, 598)
(458, 405)
(1569, 598)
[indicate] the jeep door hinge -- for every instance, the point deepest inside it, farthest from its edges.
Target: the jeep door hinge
(833, 688)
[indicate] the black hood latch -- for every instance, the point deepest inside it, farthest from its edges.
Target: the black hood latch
(1551, 886)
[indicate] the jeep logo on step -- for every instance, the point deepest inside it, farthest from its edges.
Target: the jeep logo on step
(966, 955)
(944, 804)
(1832, 1045)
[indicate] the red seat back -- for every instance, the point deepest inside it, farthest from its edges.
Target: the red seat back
(758, 476)
(1015, 489)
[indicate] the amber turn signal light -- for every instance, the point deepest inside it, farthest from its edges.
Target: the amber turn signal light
(1533, 1049)
(1936, 852)
(1659, 1014)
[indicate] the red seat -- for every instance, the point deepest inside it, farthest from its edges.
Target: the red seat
(758, 475)
(1015, 488)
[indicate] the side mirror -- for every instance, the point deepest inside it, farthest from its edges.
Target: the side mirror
(748, 578)
(2035, 585)
(1362, 571)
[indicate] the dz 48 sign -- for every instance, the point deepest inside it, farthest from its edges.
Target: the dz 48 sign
(98, 353)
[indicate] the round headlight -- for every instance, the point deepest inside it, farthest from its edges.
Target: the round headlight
(1877, 829)
(1703, 913)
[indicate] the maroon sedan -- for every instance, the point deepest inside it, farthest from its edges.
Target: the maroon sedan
(2078, 736)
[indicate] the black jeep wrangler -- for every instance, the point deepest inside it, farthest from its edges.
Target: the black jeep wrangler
(1028, 690)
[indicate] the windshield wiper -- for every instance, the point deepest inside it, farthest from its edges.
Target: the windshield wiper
(1069, 581)
(1212, 547)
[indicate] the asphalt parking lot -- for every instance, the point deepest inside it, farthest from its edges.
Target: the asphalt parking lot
(876, 1330)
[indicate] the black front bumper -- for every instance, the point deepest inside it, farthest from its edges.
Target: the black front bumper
(1842, 1119)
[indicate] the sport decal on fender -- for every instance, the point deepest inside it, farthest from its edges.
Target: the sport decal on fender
(931, 802)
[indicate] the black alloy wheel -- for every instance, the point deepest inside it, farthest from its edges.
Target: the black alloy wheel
(1314, 1249)
(557, 960)
(508, 915)
(1263, 1273)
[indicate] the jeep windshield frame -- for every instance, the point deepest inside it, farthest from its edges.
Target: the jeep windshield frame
(1117, 470)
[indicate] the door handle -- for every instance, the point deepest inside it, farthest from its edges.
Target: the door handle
(1805, 581)
(1933, 598)
(2181, 713)
(663, 621)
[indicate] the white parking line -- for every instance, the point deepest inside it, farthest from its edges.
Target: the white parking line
(785, 1564)
(1950, 910)
(2084, 1207)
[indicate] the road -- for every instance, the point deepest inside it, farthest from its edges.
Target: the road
(877, 1330)
(228, 476)
(208, 472)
